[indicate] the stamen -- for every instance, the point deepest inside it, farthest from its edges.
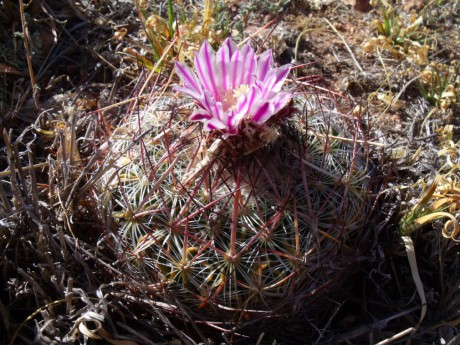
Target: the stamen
(230, 97)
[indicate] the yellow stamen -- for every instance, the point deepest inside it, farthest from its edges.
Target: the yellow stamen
(230, 97)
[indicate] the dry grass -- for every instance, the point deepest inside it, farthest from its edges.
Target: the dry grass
(67, 85)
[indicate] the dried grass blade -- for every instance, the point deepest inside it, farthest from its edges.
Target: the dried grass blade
(25, 32)
(108, 337)
(17, 198)
(409, 244)
(5, 203)
(31, 317)
(33, 180)
(396, 336)
(4, 316)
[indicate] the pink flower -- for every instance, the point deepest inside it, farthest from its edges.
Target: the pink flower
(233, 84)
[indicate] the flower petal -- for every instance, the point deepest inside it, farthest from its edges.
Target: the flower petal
(230, 45)
(244, 63)
(280, 101)
(264, 64)
(199, 115)
(220, 77)
(247, 64)
(205, 62)
(232, 122)
(235, 66)
(214, 124)
(214, 107)
(274, 80)
(263, 112)
(223, 65)
(189, 79)
(245, 102)
(281, 75)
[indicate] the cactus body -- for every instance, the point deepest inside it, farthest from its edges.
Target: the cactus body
(243, 223)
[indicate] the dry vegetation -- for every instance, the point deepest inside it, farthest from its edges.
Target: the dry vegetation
(73, 72)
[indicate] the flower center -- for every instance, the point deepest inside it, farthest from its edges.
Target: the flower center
(230, 97)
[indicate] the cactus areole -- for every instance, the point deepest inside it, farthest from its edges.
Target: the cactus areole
(233, 84)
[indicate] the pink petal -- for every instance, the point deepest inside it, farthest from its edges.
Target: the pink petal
(281, 75)
(186, 90)
(232, 121)
(213, 106)
(199, 98)
(264, 64)
(189, 78)
(246, 102)
(249, 67)
(280, 100)
(237, 118)
(263, 113)
(199, 115)
(205, 62)
(230, 45)
(219, 112)
(268, 84)
(223, 65)
(234, 68)
(214, 124)
(257, 100)
(243, 64)
(274, 80)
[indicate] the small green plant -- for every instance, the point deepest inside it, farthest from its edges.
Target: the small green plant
(441, 198)
(440, 85)
(392, 26)
(158, 30)
(179, 35)
(221, 25)
(403, 39)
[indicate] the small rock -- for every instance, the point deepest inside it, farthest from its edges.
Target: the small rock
(359, 5)
(362, 5)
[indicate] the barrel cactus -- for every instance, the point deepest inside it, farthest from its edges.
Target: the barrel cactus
(247, 204)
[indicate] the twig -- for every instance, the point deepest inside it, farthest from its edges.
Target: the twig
(25, 169)
(376, 326)
(297, 42)
(396, 336)
(5, 203)
(28, 55)
(324, 328)
(76, 246)
(346, 46)
(33, 180)
(314, 86)
(348, 140)
(17, 200)
(250, 37)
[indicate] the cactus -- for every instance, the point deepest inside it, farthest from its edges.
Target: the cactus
(239, 223)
